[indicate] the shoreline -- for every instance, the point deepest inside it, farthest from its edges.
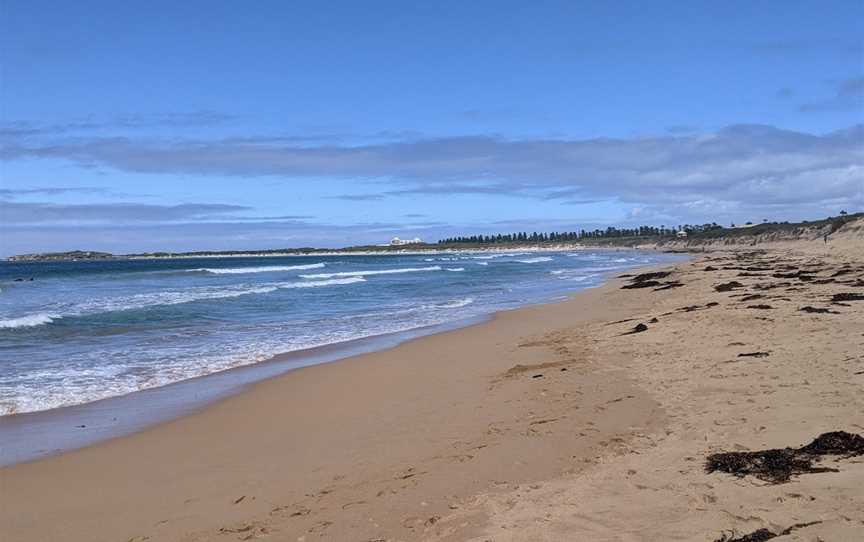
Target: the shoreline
(545, 422)
(55, 431)
(150, 407)
(325, 390)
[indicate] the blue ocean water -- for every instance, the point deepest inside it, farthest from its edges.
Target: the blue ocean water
(83, 331)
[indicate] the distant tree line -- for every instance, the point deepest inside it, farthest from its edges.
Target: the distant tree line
(572, 236)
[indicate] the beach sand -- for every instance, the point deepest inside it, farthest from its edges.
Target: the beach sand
(554, 422)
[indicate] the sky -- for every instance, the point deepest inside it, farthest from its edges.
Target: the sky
(196, 125)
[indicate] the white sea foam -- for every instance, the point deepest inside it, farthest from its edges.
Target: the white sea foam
(536, 260)
(315, 284)
(177, 297)
(482, 263)
(263, 269)
(371, 272)
(168, 297)
(456, 303)
(30, 320)
(454, 269)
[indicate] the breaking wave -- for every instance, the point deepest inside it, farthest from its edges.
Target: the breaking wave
(367, 273)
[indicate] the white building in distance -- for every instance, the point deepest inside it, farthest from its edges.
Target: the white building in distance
(396, 242)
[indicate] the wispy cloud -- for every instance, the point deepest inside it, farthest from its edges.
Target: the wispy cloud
(359, 197)
(737, 165)
(848, 96)
(12, 193)
(17, 213)
(121, 122)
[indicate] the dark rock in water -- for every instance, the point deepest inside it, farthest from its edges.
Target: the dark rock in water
(817, 310)
(712, 304)
(709, 268)
(754, 355)
(18, 280)
(537, 376)
(762, 306)
(728, 286)
(653, 321)
(847, 296)
(779, 465)
(752, 297)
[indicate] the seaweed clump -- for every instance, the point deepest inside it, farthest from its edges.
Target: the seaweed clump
(847, 297)
(728, 286)
(761, 535)
(777, 466)
(647, 280)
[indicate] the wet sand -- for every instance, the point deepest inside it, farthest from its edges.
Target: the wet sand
(568, 421)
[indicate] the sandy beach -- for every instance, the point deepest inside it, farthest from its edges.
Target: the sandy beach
(589, 419)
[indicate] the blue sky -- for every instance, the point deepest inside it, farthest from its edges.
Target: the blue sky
(207, 125)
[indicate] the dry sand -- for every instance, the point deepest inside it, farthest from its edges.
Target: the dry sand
(546, 423)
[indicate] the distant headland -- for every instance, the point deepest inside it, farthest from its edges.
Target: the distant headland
(681, 237)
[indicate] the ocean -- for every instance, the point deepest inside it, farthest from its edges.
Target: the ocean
(84, 331)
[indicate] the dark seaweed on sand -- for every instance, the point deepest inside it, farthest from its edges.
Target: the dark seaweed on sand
(651, 276)
(847, 297)
(760, 535)
(779, 465)
(643, 284)
(669, 285)
(817, 310)
(647, 280)
(639, 328)
(728, 286)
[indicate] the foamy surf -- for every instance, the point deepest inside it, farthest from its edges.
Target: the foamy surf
(167, 298)
(175, 297)
(536, 260)
(372, 272)
(262, 269)
(456, 303)
(28, 321)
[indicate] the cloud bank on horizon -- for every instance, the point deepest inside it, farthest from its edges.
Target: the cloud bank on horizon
(199, 164)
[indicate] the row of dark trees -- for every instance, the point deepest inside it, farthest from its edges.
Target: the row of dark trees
(571, 236)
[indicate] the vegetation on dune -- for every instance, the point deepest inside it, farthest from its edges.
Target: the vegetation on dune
(618, 237)
(651, 234)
